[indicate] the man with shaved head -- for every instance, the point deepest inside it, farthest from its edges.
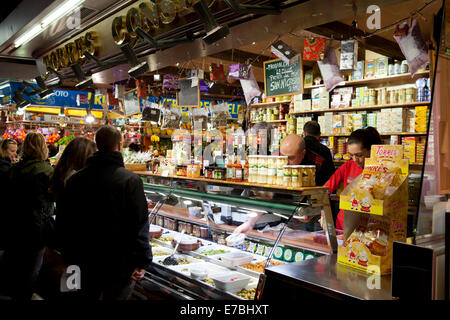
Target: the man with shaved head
(294, 147)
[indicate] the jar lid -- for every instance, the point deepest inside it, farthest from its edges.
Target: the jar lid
(282, 157)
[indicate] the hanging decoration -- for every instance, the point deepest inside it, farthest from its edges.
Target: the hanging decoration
(314, 49)
(284, 52)
(349, 54)
(239, 71)
(170, 81)
(330, 70)
(217, 72)
(141, 89)
(412, 45)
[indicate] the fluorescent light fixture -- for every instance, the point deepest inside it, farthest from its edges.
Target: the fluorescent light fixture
(65, 8)
(3, 86)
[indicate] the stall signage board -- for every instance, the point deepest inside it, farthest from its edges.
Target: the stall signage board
(131, 103)
(61, 98)
(187, 95)
(281, 79)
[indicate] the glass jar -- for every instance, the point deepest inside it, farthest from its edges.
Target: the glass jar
(181, 170)
(410, 95)
(281, 162)
(219, 173)
(404, 67)
(245, 172)
(397, 67)
(253, 169)
(393, 97)
(401, 95)
(272, 170)
(275, 112)
(195, 170)
(287, 176)
(303, 173)
(311, 171)
(295, 174)
(262, 169)
(238, 172)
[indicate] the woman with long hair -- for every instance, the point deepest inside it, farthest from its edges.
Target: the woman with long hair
(30, 209)
(72, 160)
(358, 146)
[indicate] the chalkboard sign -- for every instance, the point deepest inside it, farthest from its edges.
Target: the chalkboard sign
(188, 96)
(281, 79)
(131, 103)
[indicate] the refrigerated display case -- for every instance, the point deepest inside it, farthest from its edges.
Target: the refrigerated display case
(282, 238)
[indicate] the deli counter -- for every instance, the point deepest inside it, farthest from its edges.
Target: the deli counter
(202, 213)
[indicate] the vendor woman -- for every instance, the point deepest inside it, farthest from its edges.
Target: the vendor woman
(358, 147)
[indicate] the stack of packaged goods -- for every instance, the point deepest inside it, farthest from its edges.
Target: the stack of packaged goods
(372, 119)
(420, 149)
(342, 98)
(397, 119)
(347, 126)
(383, 121)
(421, 118)
(359, 120)
(410, 120)
(326, 123)
(338, 124)
(320, 99)
(409, 148)
(341, 149)
(300, 123)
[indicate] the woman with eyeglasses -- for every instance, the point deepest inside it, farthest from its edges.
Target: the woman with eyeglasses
(358, 146)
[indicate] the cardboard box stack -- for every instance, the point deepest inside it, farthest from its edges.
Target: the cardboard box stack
(409, 148)
(338, 124)
(342, 97)
(420, 149)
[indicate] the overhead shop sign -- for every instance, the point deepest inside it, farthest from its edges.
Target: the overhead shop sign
(61, 98)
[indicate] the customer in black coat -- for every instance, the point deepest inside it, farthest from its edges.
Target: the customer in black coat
(103, 224)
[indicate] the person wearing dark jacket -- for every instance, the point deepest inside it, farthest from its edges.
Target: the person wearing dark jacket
(103, 223)
(317, 154)
(25, 222)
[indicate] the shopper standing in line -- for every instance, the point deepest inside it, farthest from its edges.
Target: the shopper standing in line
(26, 219)
(103, 224)
(8, 156)
(358, 146)
(72, 160)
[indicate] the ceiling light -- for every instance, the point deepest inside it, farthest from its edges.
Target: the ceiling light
(62, 10)
(89, 117)
(3, 86)
(156, 77)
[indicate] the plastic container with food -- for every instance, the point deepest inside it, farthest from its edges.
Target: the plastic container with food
(154, 231)
(231, 282)
(199, 273)
(234, 259)
(235, 239)
(186, 245)
(281, 162)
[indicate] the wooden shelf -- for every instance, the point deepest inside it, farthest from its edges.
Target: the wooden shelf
(183, 214)
(242, 184)
(399, 77)
(267, 104)
(366, 108)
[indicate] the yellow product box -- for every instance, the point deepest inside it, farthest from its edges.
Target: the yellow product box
(375, 208)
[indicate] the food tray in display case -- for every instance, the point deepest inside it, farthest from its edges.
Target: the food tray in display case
(248, 290)
(210, 268)
(182, 259)
(214, 250)
(161, 251)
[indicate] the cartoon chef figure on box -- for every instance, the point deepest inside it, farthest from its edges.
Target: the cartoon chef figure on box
(354, 202)
(351, 254)
(365, 204)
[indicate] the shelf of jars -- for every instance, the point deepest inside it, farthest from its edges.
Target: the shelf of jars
(366, 108)
(382, 134)
(226, 182)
